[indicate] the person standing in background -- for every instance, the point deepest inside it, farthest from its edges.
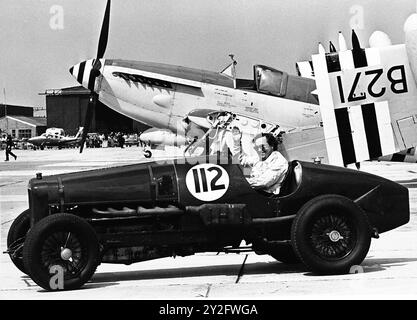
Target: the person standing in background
(121, 140)
(9, 146)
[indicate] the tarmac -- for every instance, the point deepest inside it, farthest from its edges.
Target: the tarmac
(389, 270)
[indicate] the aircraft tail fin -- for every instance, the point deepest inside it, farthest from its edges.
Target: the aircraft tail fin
(80, 132)
(368, 100)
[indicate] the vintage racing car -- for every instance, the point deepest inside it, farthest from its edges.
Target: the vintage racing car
(325, 217)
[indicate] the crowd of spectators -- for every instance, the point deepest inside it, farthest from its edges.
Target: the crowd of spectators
(113, 139)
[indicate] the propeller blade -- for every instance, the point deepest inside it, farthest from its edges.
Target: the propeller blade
(95, 72)
(88, 117)
(104, 34)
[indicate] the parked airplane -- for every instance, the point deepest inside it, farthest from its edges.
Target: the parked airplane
(55, 137)
(346, 126)
(161, 95)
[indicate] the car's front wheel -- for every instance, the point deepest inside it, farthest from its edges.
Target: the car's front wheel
(61, 252)
(330, 234)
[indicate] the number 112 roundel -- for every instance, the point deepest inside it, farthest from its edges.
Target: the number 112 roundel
(207, 182)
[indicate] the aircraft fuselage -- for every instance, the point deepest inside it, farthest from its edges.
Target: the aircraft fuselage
(161, 95)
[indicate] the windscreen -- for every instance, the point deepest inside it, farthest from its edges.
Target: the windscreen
(270, 81)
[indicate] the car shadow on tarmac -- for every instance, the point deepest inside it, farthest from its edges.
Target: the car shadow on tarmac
(205, 271)
(29, 283)
(373, 265)
(258, 268)
(108, 279)
(376, 265)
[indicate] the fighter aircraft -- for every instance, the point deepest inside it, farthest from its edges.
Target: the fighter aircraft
(55, 137)
(344, 128)
(161, 95)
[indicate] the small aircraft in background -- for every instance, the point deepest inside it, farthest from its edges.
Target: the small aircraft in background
(55, 137)
(367, 109)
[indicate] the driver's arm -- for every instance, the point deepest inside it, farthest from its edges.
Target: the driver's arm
(237, 152)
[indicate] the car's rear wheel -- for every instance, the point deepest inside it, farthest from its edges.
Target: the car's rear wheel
(61, 252)
(16, 239)
(330, 234)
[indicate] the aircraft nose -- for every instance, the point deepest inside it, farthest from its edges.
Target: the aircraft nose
(82, 71)
(77, 71)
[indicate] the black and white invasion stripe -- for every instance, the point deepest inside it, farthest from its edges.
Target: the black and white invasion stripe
(359, 140)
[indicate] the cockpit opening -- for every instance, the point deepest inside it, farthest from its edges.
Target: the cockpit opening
(270, 81)
(278, 83)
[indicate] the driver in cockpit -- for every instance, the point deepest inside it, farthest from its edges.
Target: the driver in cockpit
(268, 167)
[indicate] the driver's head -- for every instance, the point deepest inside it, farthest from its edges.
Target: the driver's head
(265, 144)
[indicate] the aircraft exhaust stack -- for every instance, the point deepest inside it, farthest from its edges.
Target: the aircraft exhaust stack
(355, 41)
(410, 31)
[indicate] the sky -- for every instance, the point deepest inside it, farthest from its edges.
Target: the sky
(41, 39)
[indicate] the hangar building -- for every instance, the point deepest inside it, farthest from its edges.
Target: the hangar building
(66, 108)
(19, 122)
(13, 110)
(23, 127)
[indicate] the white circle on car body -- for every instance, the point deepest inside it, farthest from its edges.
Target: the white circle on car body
(207, 181)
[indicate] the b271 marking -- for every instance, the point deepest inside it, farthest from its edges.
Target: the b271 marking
(373, 83)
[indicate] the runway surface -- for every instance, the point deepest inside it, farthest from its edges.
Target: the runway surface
(390, 269)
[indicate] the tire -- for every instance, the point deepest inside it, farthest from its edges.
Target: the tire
(284, 254)
(147, 154)
(330, 234)
(16, 238)
(44, 245)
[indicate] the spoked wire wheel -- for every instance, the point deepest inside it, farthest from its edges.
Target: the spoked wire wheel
(330, 234)
(333, 236)
(61, 245)
(64, 249)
